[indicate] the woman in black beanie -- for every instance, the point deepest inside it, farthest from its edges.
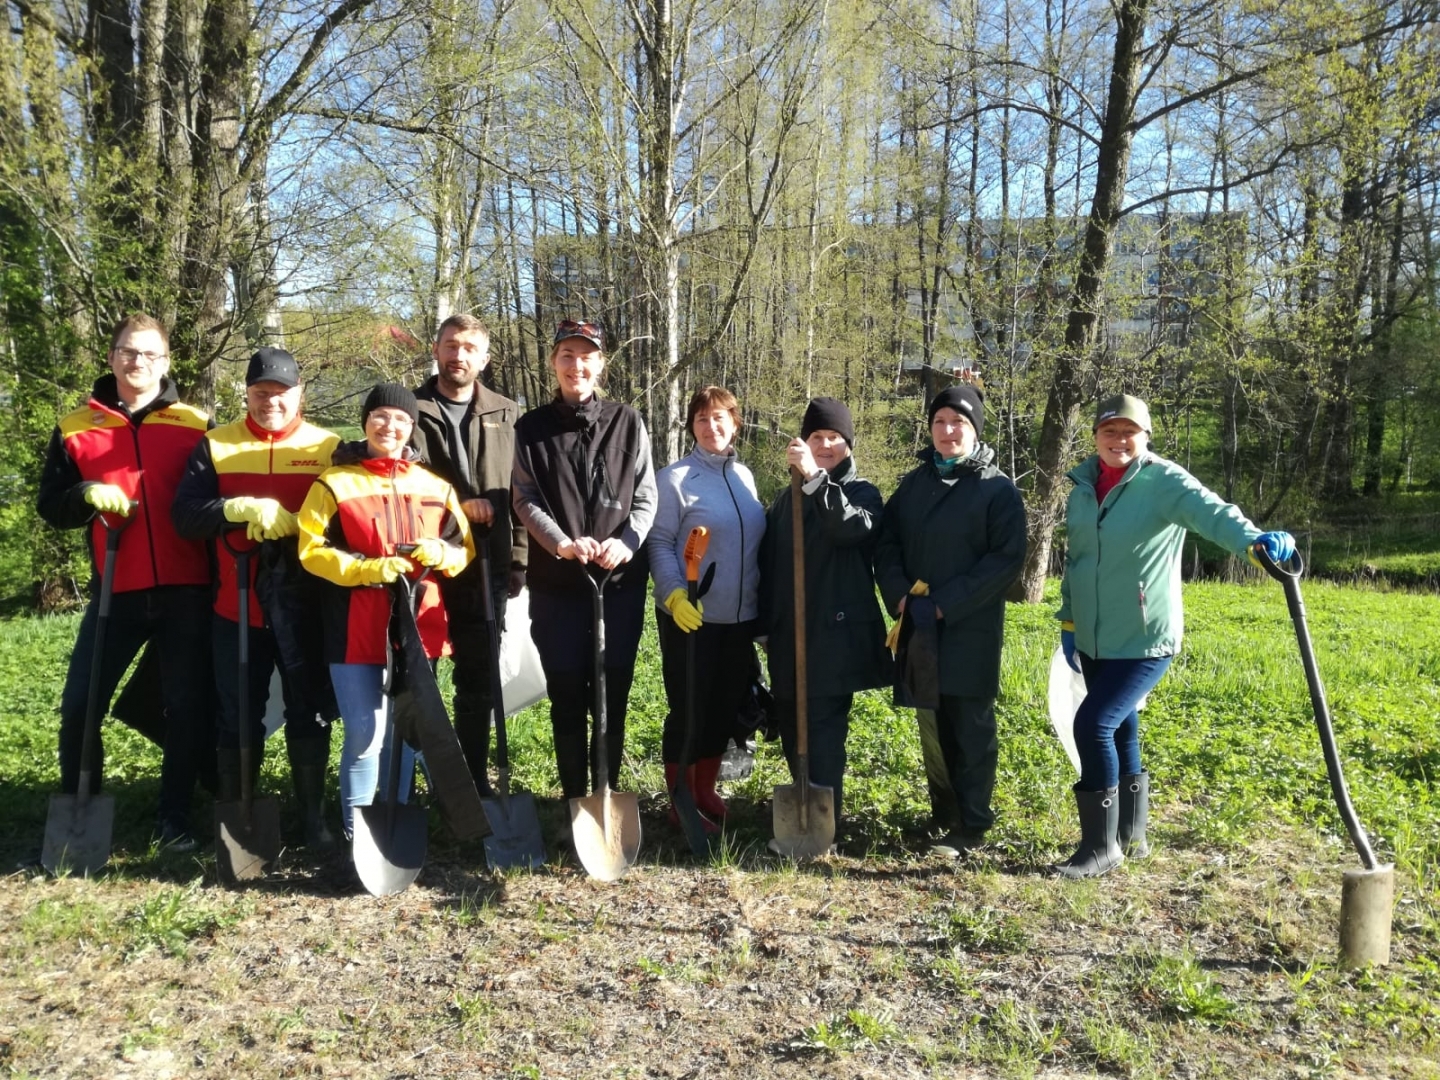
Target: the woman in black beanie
(844, 629)
(956, 524)
(375, 497)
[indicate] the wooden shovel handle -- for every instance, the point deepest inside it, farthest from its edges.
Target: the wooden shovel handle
(797, 541)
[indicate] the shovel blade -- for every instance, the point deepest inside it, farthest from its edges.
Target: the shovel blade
(515, 838)
(606, 830)
(77, 837)
(804, 820)
(245, 844)
(389, 846)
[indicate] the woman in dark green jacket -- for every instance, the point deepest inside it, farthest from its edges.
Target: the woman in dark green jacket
(844, 628)
(1120, 617)
(957, 524)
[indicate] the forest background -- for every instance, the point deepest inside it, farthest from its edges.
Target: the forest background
(1226, 206)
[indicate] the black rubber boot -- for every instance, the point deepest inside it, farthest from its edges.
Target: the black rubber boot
(1099, 850)
(227, 775)
(308, 761)
(1134, 815)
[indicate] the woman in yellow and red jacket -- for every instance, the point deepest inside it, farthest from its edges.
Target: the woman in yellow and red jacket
(374, 498)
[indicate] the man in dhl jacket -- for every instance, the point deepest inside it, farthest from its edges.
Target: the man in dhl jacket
(247, 479)
(121, 455)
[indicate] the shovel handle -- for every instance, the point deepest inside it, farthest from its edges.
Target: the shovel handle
(1289, 578)
(695, 547)
(497, 698)
(90, 739)
(797, 545)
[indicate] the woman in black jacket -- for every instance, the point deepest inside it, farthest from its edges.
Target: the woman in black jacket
(844, 628)
(956, 523)
(585, 489)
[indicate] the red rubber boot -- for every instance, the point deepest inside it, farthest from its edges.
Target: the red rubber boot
(707, 772)
(672, 777)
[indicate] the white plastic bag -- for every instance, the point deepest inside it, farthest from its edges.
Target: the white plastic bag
(521, 678)
(1067, 691)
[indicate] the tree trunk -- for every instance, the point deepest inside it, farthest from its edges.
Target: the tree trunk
(1068, 386)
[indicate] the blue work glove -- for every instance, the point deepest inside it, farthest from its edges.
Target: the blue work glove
(1067, 646)
(1278, 546)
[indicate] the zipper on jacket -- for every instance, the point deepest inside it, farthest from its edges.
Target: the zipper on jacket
(144, 502)
(740, 518)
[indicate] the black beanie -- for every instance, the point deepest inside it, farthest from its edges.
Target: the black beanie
(828, 414)
(965, 400)
(389, 395)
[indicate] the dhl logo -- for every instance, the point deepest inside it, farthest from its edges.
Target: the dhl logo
(294, 462)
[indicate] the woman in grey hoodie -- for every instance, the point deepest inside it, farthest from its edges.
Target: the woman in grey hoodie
(707, 487)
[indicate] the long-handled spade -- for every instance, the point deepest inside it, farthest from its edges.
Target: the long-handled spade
(515, 839)
(79, 827)
(391, 836)
(685, 809)
(804, 813)
(247, 831)
(1367, 896)
(605, 826)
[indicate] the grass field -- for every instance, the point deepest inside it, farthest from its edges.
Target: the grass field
(1216, 957)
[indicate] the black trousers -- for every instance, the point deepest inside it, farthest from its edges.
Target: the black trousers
(561, 625)
(471, 647)
(970, 747)
(724, 660)
(300, 724)
(177, 617)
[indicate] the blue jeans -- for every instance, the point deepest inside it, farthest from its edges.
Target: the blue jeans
(1107, 727)
(365, 754)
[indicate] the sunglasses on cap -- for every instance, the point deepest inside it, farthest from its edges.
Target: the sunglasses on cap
(590, 331)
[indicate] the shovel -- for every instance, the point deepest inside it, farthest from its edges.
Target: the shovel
(79, 827)
(515, 838)
(685, 809)
(1367, 896)
(391, 837)
(605, 826)
(247, 833)
(804, 813)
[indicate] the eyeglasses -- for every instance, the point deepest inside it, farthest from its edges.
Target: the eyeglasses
(591, 331)
(131, 355)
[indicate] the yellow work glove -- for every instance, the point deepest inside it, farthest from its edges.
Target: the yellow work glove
(687, 616)
(892, 639)
(265, 513)
(383, 571)
(430, 552)
(108, 499)
(286, 524)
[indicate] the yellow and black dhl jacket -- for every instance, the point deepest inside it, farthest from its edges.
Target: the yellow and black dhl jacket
(243, 459)
(144, 455)
(361, 509)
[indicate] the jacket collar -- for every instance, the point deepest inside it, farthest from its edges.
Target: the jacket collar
(273, 436)
(714, 461)
(105, 394)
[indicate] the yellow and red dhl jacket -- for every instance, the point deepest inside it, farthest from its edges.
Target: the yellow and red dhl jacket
(142, 454)
(240, 459)
(361, 510)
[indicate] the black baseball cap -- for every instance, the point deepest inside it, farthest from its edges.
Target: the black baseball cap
(272, 365)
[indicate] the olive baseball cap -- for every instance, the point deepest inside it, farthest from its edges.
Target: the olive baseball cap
(1123, 407)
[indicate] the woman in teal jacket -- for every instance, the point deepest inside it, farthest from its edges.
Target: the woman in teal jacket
(1120, 614)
